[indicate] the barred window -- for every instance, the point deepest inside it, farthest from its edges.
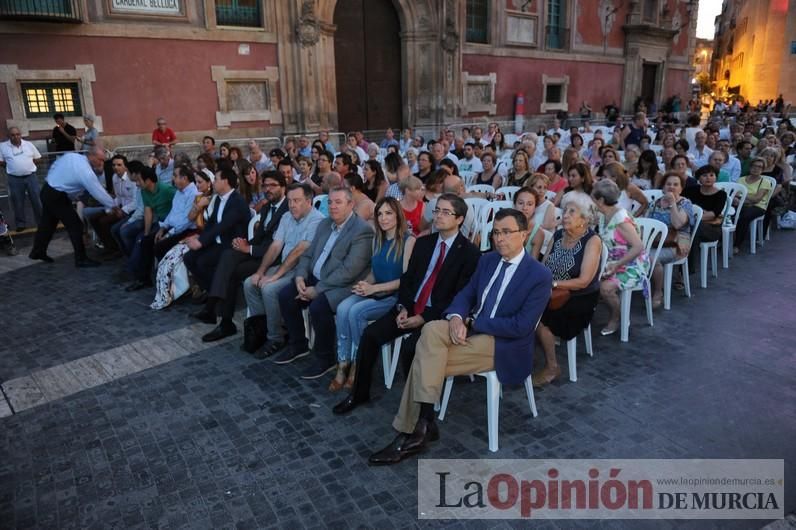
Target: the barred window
(46, 99)
(244, 13)
(477, 21)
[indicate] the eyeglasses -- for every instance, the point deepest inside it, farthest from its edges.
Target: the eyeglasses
(446, 213)
(503, 233)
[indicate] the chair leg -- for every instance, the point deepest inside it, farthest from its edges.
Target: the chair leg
(587, 340)
(753, 237)
(492, 409)
(396, 353)
(686, 279)
(648, 301)
(624, 314)
(572, 346)
(386, 361)
(668, 269)
(531, 397)
(446, 395)
(703, 266)
(714, 258)
(308, 327)
(726, 243)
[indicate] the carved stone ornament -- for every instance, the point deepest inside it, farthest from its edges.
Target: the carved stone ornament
(450, 41)
(308, 30)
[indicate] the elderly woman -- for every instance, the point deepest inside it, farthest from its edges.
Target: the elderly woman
(676, 212)
(780, 171)
(376, 294)
(545, 215)
(167, 267)
(632, 154)
(627, 192)
(759, 191)
(579, 179)
(520, 171)
(90, 135)
(574, 260)
(525, 200)
(712, 200)
(489, 175)
(627, 264)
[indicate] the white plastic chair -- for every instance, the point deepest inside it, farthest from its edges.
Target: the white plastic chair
(668, 269)
(502, 205)
(652, 195)
(480, 188)
(508, 192)
(320, 201)
(733, 190)
(559, 216)
(550, 195)
(756, 226)
(650, 230)
(572, 344)
(468, 177)
(493, 394)
(548, 237)
(389, 358)
(485, 219)
(252, 223)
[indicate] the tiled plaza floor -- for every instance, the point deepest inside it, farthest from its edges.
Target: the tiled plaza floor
(216, 439)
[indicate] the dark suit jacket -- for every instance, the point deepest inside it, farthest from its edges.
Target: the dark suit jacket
(459, 265)
(348, 262)
(264, 234)
(234, 222)
(518, 311)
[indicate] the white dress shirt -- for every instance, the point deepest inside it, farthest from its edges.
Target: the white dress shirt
(72, 174)
(700, 158)
(220, 212)
(514, 263)
(19, 159)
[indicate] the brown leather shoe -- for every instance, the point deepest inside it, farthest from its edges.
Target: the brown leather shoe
(352, 374)
(546, 376)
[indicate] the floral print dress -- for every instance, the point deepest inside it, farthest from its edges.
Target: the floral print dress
(631, 274)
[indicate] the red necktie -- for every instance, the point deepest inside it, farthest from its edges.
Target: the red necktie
(425, 292)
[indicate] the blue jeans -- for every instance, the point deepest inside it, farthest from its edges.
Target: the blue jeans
(353, 315)
(17, 187)
(126, 233)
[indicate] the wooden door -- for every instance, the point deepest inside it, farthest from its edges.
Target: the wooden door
(367, 55)
(649, 76)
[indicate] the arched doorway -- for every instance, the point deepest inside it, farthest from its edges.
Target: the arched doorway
(367, 56)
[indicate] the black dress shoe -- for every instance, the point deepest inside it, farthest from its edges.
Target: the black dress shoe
(425, 431)
(321, 366)
(205, 316)
(269, 349)
(137, 286)
(393, 453)
(221, 331)
(290, 354)
(347, 405)
(41, 256)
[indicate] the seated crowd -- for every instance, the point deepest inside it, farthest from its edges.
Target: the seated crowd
(339, 252)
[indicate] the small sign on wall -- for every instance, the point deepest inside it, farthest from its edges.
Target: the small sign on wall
(147, 7)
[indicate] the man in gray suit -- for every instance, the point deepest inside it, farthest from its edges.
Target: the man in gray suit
(338, 257)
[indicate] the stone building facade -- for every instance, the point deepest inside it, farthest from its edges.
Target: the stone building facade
(238, 68)
(755, 49)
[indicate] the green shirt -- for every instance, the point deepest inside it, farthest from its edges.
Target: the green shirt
(159, 200)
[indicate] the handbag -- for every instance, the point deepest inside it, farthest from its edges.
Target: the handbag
(558, 298)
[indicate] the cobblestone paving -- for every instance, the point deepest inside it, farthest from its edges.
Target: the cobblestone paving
(216, 439)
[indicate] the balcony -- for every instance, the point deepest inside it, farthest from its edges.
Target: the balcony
(556, 38)
(41, 10)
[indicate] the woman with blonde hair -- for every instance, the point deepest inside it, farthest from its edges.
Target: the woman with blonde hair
(545, 214)
(375, 295)
(520, 170)
(569, 159)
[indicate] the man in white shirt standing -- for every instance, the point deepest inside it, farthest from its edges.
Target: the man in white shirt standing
(71, 175)
(700, 152)
(20, 158)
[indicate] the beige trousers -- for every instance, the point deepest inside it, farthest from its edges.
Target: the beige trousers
(436, 358)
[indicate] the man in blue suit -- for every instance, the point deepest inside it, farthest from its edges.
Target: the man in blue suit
(489, 326)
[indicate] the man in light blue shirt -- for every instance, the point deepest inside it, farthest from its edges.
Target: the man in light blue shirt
(71, 175)
(165, 166)
(174, 228)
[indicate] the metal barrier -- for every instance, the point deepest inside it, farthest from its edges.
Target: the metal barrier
(144, 152)
(337, 139)
(266, 143)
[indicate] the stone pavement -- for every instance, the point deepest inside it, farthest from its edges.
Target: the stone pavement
(207, 437)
